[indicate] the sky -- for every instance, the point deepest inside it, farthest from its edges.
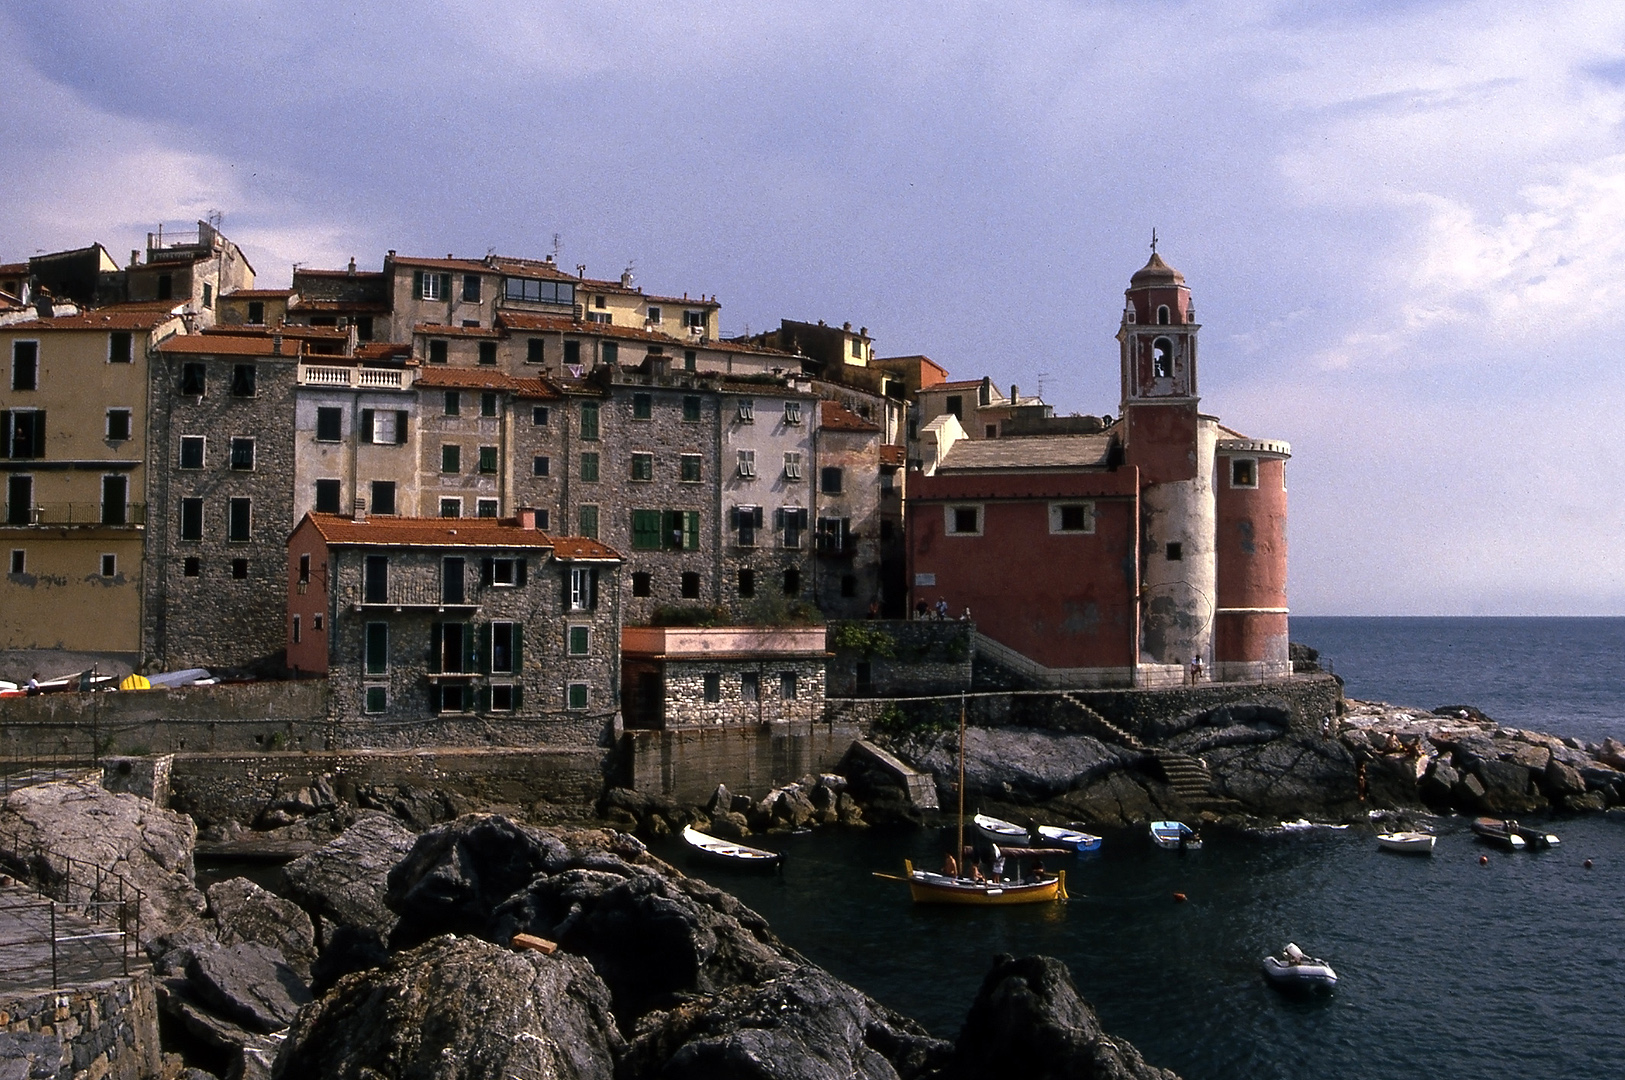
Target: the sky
(1403, 223)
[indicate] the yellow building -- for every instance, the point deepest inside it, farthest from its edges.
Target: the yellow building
(73, 446)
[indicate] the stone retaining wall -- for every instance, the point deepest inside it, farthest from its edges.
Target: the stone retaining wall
(687, 765)
(926, 657)
(103, 1031)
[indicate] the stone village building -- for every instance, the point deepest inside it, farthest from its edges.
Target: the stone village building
(479, 624)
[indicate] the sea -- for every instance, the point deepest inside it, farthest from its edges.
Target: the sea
(1448, 966)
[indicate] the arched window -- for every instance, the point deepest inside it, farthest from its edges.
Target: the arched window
(1162, 358)
(1162, 315)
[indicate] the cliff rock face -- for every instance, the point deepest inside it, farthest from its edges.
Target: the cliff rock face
(126, 834)
(344, 881)
(245, 913)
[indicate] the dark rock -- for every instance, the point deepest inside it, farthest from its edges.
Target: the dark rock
(650, 937)
(201, 1033)
(1028, 1021)
(791, 806)
(1612, 753)
(730, 825)
(1294, 776)
(1391, 781)
(1438, 787)
(847, 810)
(1461, 712)
(29, 1055)
(345, 880)
(721, 799)
(249, 984)
(741, 804)
(1506, 787)
(419, 807)
(349, 949)
(244, 912)
(1607, 781)
(1304, 659)
(125, 834)
(1589, 801)
(460, 1009)
(1532, 757)
(1562, 780)
(1016, 764)
(803, 1024)
(456, 874)
(1119, 798)
(1469, 793)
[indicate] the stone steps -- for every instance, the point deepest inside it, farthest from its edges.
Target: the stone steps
(1104, 726)
(1190, 779)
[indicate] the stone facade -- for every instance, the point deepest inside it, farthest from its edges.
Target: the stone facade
(101, 1031)
(724, 675)
(359, 459)
(215, 592)
(848, 515)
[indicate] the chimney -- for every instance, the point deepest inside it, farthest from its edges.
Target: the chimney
(1014, 394)
(847, 327)
(135, 256)
(352, 264)
(626, 278)
(276, 344)
(527, 518)
(360, 515)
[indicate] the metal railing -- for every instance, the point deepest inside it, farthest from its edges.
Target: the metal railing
(75, 513)
(101, 896)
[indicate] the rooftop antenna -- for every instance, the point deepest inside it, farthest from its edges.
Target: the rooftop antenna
(1042, 375)
(556, 239)
(1153, 239)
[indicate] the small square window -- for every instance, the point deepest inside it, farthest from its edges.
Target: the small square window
(488, 403)
(437, 352)
(502, 697)
(193, 377)
(486, 508)
(1243, 472)
(1175, 552)
(451, 459)
(488, 352)
(1072, 518)
(19, 560)
(316, 621)
(747, 464)
(118, 425)
(239, 520)
(829, 480)
(713, 687)
(192, 567)
(747, 411)
(643, 466)
(747, 583)
(504, 572)
(109, 566)
(690, 585)
(329, 424)
(654, 315)
(642, 405)
(589, 466)
(242, 454)
(580, 638)
(641, 582)
(792, 582)
(488, 459)
(383, 497)
(328, 493)
(191, 451)
(535, 350)
(792, 465)
(539, 466)
(691, 408)
(454, 403)
(239, 569)
(471, 288)
(690, 468)
(256, 313)
(578, 695)
(787, 685)
(243, 380)
(451, 508)
(750, 686)
(792, 412)
(120, 347)
(538, 416)
(377, 699)
(965, 520)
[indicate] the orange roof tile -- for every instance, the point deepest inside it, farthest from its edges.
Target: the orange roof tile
(381, 350)
(466, 378)
(117, 317)
(443, 330)
(308, 272)
(230, 345)
(836, 417)
(538, 388)
(348, 307)
(579, 547)
(565, 324)
(293, 330)
(963, 384)
(454, 532)
(14, 268)
(468, 265)
(891, 454)
(260, 294)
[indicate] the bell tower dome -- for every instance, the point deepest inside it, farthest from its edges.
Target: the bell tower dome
(1158, 336)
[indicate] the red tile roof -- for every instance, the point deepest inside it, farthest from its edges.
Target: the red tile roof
(381, 350)
(564, 324)
(453, 532)
(293, 330)
(348, 307)
(117, 317)
(835, 417)
(230, 345)
(513, 266)
(442, 330)
(14, 268)
(466, 378)
(538, 388)
(893, 455)
(307, 272)
(465, 265)
(963, 384)
(260, 294)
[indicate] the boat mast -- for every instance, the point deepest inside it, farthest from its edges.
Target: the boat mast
(959, 851)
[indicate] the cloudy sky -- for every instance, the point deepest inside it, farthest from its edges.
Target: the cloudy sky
(1403, 222)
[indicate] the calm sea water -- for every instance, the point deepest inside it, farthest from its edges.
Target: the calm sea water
(1448, 968)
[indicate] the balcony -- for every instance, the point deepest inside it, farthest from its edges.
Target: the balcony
(416, 593)
(354, 378)
(75, 513)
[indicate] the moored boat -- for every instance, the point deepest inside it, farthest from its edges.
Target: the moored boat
(1175, 834)
(1535, 838)
(727, 853)
(1292, 970)
(1069, 838)
(1500, 833)
(1410, 843)
(998, 831)
(928, 888)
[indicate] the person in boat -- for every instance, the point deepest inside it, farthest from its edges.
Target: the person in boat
(950, 866)
(998, 864)
(976, 872)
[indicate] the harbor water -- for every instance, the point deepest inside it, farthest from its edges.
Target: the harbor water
(1447, 967)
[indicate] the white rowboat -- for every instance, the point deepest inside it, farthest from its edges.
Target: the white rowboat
(727, 852)
(1001, 832)
(1411, 843)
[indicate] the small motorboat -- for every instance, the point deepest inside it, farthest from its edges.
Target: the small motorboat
(1175, 835)
(1292, 970)
(1535, 838)
(1001, 832)
(727, 853)
(1069, 838)
(1500, 833)
(1409, 843)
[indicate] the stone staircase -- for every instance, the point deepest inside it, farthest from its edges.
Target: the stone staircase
(1191, 781)
(1102, 726)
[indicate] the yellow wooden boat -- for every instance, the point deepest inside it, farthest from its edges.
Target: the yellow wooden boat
(928, 888)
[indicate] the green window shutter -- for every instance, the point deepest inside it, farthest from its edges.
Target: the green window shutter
(367, 422)
(646, 530)
(417, 283)
(471, 658)
(593, 595)
(518, 689)
(691, 530)
(485, 699)
(400, 427)
(518, 655)
(436, 636)
(485, 646)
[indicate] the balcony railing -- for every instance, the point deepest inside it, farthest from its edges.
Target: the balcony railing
(356, 378)
(409, 592)
(75, 513)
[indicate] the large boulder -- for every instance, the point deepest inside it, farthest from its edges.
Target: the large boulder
(803, 1024)
(1015, 764)
(1438, 787)
(1029, 1021)
(1294, 776)
(248, 984)
(244, 912)
(1562, 780)
(1506, 787)
(47, 824)
(459, 1009)
(344, 881)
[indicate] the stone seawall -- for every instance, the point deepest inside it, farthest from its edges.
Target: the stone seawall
(687, 765)
(100, 1031)
(238, 787)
